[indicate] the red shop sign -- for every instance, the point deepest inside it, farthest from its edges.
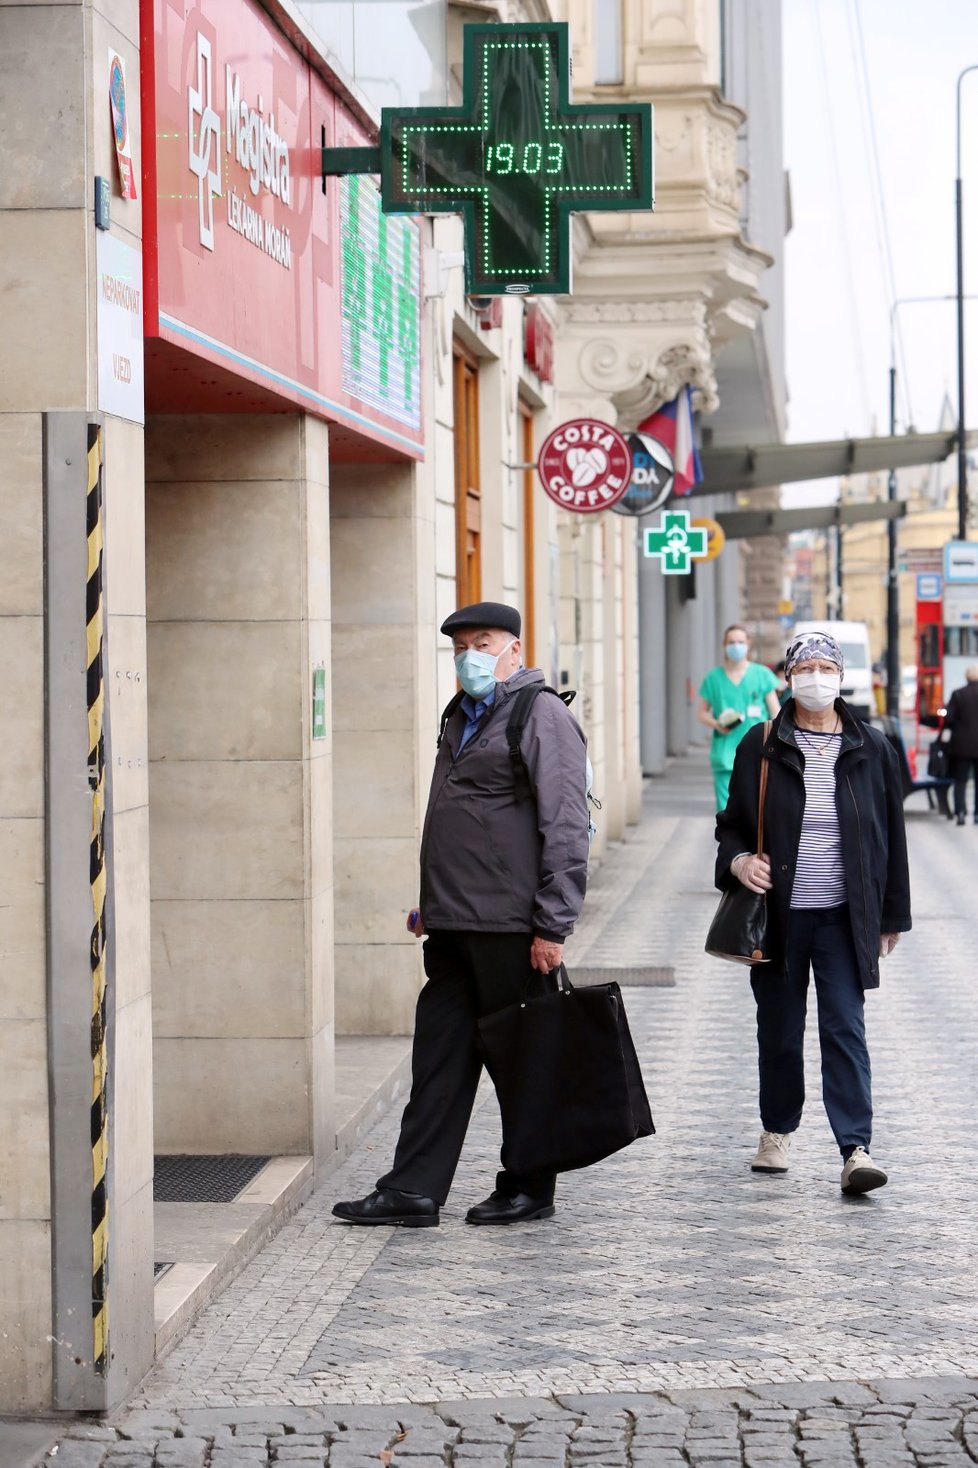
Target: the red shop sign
(585, 465)
(248, 264)
(538, 342)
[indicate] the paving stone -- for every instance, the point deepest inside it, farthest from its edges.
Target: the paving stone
(730, 1323)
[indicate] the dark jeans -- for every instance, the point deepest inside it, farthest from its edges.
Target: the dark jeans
(469, 975)
(962, 770)
(820, 939)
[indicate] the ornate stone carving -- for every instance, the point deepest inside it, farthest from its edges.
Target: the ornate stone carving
(721, 162)
(680, 309)
(638, 378)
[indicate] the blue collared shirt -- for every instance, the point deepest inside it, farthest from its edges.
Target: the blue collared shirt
(473, 716)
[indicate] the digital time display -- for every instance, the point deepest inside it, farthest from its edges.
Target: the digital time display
(516, 159)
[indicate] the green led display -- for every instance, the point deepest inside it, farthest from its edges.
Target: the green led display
(516, 159)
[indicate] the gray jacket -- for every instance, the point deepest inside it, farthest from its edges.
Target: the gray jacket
(491, 864)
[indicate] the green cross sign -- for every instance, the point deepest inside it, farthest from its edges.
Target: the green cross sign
(515, 159)
(677, 542)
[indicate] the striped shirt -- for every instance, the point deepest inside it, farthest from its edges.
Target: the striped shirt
(820, 876)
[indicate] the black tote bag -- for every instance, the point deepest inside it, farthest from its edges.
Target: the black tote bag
(738, 931)
(939, 759)
(567, 1078)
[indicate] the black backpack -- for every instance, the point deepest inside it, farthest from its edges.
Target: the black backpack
(519, 713)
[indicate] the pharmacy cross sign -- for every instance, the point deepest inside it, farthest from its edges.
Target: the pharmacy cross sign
(677, 542)
(515, 159)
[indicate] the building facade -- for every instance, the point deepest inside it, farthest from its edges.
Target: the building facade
(257, 442)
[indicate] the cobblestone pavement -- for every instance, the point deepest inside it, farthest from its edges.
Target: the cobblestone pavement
(678, 1309)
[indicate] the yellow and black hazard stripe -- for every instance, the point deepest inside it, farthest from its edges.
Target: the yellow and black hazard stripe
(94, 616)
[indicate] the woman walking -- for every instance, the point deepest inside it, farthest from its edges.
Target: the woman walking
(734, 696)
(836, 871)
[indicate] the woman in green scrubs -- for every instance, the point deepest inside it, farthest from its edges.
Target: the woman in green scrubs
(733, 697)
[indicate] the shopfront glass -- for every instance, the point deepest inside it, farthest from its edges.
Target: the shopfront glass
(395, 52)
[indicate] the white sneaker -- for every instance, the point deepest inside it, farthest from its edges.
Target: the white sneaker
(861, 1174)
(772, 1153)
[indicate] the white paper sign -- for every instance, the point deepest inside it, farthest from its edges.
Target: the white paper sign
(120, 329)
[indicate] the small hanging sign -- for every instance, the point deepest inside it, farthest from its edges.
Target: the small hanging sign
(120, 124)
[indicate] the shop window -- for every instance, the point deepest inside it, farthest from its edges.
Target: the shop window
(468, 494)
(609, 68)
(527, 545)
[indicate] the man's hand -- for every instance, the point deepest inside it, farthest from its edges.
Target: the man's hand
(545, 956)
(414, 922)
(888, 941)
(754, 871)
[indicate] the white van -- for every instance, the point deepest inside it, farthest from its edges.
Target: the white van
(857, 680)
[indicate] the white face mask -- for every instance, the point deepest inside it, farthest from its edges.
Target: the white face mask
(816, 691)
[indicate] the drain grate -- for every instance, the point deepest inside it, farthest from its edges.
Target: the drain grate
(184, 1178)
(650, 976)
(160, 1268)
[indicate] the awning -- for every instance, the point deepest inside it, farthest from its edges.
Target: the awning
(738, 524)
(771, 464)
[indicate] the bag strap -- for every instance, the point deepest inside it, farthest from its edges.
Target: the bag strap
(520, 712)
(762, 793)
(449, 710)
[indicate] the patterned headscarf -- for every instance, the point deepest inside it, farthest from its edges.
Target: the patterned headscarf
(812, 645)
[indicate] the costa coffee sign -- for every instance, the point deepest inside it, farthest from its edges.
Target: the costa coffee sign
(248, 264)
(585, 465)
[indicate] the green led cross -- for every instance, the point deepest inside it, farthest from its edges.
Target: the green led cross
(516, 159)
(677, 542)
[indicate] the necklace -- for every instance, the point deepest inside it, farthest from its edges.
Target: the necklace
(813, 743)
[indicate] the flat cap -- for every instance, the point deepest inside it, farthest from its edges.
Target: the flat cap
(484, 614)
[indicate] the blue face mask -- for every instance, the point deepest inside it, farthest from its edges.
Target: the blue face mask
(736, 651)
(476, 671)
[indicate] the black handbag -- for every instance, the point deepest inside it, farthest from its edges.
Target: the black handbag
(567, 1077)
(939, 759)
(738, 931)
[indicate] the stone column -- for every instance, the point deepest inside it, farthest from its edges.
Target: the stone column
(383, 695)
(240, 793)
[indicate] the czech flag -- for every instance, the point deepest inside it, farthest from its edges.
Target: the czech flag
(672, 426)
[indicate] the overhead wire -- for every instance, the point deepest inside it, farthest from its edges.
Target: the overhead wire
(884, 243)
(843, 212)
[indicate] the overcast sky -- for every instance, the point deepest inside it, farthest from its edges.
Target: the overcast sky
(837, 294)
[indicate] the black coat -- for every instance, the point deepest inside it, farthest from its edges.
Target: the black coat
(962, 720)
(869, 799)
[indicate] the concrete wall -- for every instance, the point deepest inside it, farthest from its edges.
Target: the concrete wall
(238, 609)
(25, 1201)
(383, 692)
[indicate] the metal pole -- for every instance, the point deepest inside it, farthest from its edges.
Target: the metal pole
(839, 616)
(892, 582)
(959, 221)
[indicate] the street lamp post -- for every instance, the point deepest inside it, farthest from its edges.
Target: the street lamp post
(959, 220)
(892, 579)
(892, 583)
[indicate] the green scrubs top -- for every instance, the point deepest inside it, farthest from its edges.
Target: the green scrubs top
(747, 697)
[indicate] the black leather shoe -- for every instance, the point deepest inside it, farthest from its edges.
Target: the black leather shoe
(388, 1206)
(500, 1208)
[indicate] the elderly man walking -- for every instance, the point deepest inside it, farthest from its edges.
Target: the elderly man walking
(503, 872)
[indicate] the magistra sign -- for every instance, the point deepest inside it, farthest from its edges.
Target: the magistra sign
(248, 264)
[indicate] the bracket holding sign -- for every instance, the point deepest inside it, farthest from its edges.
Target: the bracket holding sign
(516, 159)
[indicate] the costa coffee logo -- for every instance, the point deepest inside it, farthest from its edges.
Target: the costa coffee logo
(585, 466)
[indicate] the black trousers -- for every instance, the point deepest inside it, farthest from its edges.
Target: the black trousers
(820, 940)
(469, 975)
(962, 768)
